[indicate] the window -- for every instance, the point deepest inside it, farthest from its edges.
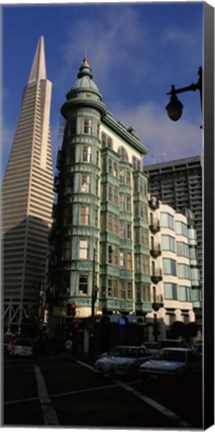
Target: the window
(83, 249)
(145, 265)
(122, 176)
(128, 178)
(167, 220)
(122, 290)
(182, 249)
(129, 261)
(194, 276)
(83, 284)
(115, 169)
(115, 196)
(86, 155)
(138, 292)
(137, 264)
(184, 293)
(110, 166)
(122, 230)
(168, 243)
(181, 228)
(170, 291)
(183, 271)
(192, 254)
(85, 215)
(88, 127)
(115, 288)
(128, 202)
(116, 228)
(121, 201)
(136, 163)
(123, 154)
(129, 231)
(121, 260)
(110, 286)
(110, 254)
(85, 183)
(106, 140)
(169, 266)
(110, 222)
(129, 290)
(110, 193)
(141, 236)
(146, 293)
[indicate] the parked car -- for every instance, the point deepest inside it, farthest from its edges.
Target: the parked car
(22, 347)
(172, 362)
(153, 347)
(122, 360)
(174, 343)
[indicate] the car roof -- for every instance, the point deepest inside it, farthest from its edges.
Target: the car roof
(176, 349)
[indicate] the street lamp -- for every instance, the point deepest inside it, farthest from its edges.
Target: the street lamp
(175, 107)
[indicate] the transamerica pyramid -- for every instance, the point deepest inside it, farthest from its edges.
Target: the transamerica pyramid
(27, 200)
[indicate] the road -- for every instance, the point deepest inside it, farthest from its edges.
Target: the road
(54, 391)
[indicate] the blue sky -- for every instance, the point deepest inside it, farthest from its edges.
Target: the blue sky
(136, 51)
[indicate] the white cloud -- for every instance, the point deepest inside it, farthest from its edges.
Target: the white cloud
(160, 135)
(110, 44)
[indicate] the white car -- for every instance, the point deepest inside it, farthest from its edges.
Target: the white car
(172, 362)
(122, 360)
(22, 347)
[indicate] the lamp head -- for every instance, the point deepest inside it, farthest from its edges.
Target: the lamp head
(174, 107)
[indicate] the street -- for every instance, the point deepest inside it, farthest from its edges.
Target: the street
(59, 392)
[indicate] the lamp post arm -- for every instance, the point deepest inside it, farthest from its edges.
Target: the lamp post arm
(191, 87)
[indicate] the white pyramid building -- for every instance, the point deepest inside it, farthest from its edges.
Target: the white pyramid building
(27, 199)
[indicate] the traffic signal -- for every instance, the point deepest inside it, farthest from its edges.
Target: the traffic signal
(70, 309)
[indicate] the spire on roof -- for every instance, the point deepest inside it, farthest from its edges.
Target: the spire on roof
(38, 70)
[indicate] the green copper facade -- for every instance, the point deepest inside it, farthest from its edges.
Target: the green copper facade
(99, 240)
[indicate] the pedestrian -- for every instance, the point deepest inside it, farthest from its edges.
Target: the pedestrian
(68, 348)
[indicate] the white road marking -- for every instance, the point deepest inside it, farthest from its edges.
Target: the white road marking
(49, 414)
(16, 401)
(165, 411)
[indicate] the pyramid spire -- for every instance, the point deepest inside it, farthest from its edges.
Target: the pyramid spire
(38, 70)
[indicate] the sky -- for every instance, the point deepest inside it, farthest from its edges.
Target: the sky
(136, 51)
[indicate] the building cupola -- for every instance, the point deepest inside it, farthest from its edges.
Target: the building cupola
(84, 91)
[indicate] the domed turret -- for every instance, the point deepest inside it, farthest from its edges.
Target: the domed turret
(84, 91)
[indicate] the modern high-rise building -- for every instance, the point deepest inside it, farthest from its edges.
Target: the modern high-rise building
(176, 293)
(178, 183)
(101, 211)
(27, 200)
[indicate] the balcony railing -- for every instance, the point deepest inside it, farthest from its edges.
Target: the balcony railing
(154, 226)
(156, 276)
(154, 203)
(155, 250)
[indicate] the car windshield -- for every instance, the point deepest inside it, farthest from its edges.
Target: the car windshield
(23, 342)
(172, 355)
(124, 352)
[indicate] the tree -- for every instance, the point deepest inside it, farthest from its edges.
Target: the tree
(178, 329)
